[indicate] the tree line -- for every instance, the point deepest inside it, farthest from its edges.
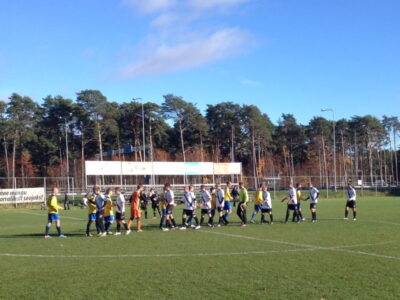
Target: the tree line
(35, 138)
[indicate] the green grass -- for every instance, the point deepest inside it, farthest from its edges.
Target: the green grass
(332, 259)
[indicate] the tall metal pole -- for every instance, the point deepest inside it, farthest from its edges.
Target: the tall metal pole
(334, 147)
(144, 135)
(143, 132)
(334, 144)
(66, 152)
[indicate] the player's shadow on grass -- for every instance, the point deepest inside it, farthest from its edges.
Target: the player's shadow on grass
(36, 235)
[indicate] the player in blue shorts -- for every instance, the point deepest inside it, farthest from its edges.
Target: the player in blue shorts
(109, 211)
(228, 202)
(53, 215)
(299, 217)
(91, 204)
(257, 203)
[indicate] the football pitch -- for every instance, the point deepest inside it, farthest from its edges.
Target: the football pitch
(331, 259)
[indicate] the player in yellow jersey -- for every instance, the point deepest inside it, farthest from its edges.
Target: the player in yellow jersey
(257, 203)
(109, 211)
(91, 204)
(53, 215)
(299, 217)
(228, 202)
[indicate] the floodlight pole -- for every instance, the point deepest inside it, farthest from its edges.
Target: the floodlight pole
(66, 152)
(334, 142)
(144, 134)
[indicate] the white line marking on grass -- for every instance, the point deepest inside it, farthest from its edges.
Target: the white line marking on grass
(368, 254)
(313, 247)
(337, 248)
(365, 221)
(385, 222)
(259, 239)
(154, 255)
(296, 244)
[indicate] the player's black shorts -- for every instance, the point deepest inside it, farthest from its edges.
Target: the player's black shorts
(292, 207)
(170, 209)
(120, 216)
(188, 212)
(220, 209)
(266, 210)
(351, 204)
(205, 211)
(313, 205)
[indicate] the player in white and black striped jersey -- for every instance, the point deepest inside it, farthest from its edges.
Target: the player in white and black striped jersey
(313, 198)
(189, 210)
(205, 206)
(220, 203)
(169, 197)
(292, 203)
(120, 213)
(266, 207)
(351, 202)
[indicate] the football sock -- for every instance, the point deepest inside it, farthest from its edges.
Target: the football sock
(107, 226)
(89, 224)
(244, 216)
(58, 230)
(196, 220)
(118, 227)
(201, 220)
(271, 217)
(173, 222)
(162, 221)
(184, 222)
(47, 229)
(354, 214)
(287, 215)
(346, 213)
(253, 216)
(168, 224)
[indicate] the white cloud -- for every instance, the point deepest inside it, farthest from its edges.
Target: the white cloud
(208, 4)
(150, 6)
(165, 20)
(181, 37)
(219, 45)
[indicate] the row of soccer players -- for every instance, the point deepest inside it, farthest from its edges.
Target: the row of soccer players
(216, 201)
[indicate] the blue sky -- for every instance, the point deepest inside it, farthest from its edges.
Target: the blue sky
(286, 56)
